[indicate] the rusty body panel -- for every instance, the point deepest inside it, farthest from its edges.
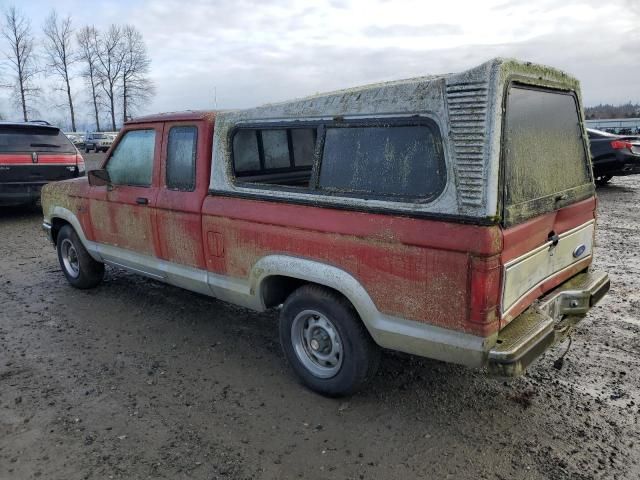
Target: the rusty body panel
(412, 268)
(71, 196)
(117, 217)
(178, 214)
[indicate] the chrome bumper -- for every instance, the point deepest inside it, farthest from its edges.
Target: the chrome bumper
(47, 229)
(546, 322)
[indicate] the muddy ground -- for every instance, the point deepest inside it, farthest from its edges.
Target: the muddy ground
(136, 379)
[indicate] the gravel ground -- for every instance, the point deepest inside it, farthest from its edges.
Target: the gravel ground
(136, 379)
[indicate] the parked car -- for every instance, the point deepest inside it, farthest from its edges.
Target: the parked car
(98, 141)
(613, 155)
(77, 139)
(391, 216)
(31, 155)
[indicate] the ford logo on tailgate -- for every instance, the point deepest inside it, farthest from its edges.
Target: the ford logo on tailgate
(579, 250)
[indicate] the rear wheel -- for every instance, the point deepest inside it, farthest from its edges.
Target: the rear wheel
(326, 343)
(81, 270)
(603, 180)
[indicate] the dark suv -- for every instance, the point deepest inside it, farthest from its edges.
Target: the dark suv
(613, 155)
(31, 155)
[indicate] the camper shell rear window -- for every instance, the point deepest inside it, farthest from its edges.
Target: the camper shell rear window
(544, 157)
(396, 159)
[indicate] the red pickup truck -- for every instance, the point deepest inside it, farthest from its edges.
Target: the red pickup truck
(447, 216)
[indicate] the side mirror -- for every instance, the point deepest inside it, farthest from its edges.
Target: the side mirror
(99, 178)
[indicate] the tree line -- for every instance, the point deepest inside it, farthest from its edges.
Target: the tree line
(628, 110)
(113, 64)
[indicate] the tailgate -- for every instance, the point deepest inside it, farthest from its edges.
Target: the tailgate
(528, 272)
(543, 252)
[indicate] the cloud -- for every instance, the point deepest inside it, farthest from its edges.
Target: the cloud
(427, 30)
(263, 51)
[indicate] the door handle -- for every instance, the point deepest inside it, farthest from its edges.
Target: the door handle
(142, 201)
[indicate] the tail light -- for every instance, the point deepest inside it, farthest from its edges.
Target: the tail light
(80, 164)
(621, 144)
(485, 292)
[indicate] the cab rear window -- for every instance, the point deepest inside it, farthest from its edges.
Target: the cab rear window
(34, 139)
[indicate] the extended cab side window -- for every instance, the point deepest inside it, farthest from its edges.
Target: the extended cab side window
(132, 161)
(181, 158)
(274, 156)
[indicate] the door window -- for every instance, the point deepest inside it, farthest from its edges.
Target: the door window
(132, 161)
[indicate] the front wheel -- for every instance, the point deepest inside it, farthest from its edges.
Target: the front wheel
(81, 270)
(326, 343)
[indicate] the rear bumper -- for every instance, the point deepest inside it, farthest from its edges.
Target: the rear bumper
(19, 193)
(546, 322)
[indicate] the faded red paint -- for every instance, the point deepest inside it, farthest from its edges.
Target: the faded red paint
(116, 216)
(529, 235)
(433, 271)
(526, 236)
(178, 213)
(416, 269)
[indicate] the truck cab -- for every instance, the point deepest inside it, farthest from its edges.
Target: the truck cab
(448, 216)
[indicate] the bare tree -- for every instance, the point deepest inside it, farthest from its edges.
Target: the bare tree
(17, 32)
(88, 41)
(136, 87)
(110, 56)
(60, 53)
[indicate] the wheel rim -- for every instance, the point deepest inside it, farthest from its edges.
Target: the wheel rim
(317, 343)
(70, 258)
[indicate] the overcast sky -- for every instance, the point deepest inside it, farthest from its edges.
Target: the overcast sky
(249, 52)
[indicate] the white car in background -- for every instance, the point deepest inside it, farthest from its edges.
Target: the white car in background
(76, 138)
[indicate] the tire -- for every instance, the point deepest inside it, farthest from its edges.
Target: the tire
(326, 343)
(602, 180)
(86, 150)
(81, 270)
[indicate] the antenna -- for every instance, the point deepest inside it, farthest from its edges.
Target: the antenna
(215, 97)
